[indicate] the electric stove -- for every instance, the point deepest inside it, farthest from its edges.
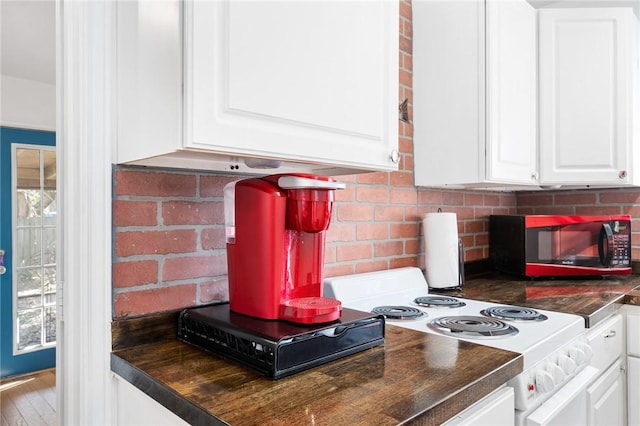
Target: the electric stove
(403, 288)
(545, 339)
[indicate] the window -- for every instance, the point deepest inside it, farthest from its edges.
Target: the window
(34, 247)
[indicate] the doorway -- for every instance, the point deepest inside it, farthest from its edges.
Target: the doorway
(28, 210)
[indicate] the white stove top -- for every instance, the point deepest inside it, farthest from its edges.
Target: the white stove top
(399, 287)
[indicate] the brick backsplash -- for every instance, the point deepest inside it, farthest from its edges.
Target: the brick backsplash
(168, 226)
(169, 248)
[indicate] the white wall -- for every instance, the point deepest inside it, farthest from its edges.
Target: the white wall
(27, 104)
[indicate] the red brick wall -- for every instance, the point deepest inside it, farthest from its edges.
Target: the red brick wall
(169, 247)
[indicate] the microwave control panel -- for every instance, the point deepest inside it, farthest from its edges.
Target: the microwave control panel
(621, 243)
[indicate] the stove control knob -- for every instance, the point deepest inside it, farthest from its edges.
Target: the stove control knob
(556, 372)
(567, 364)
(577, 355)
(586, 348)
(544, 381)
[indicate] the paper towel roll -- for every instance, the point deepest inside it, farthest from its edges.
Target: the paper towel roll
(441, 249)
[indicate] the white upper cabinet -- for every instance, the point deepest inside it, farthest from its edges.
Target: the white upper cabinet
(242, 85)
(588, 96)
(475, 121)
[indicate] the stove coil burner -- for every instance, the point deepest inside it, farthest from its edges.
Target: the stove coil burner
(439, 302)
(472, 327)
(513, 313)
(398, 312)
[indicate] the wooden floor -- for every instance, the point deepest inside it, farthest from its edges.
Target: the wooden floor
(29, 400)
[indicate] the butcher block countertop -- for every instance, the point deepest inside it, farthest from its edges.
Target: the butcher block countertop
(593, 299)
(413, 378)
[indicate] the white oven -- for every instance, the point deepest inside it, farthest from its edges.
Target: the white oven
(595, 396)
(551, 390)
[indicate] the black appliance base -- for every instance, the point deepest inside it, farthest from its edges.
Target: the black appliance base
(278, 348)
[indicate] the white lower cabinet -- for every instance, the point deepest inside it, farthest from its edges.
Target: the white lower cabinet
(633, 330)
(607, 342)
(134, 408)
(633, 390)
(496, 409)
(606, 398)
(633, 364)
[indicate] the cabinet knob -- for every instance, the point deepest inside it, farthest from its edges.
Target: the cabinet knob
(395, 156)
(622, 174)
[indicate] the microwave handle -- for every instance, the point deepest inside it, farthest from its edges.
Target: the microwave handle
(460, 264)
(605, 256)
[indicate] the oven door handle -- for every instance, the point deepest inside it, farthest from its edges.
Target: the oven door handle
(605, 249)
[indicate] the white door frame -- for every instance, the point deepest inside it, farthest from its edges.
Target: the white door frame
(85, 33)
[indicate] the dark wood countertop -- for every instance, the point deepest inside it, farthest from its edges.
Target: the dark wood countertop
(633, 297)
(414, 378)
(593, 299)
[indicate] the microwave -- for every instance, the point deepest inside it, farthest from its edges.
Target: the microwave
(560, 246)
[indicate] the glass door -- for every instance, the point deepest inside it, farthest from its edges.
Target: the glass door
(28, 238)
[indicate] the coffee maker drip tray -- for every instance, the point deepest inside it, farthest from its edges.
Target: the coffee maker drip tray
(311, 310)
(278, 348)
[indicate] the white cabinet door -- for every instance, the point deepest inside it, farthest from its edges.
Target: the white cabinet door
(309, 81)
(495, 409)
(511, 90)
(474, 92)
(633, 364)
(633, 330)
(606, 398)
(448, 92)
(633, 390)
(134, 408)
(586, 95)
(607, 342)
(210, 84)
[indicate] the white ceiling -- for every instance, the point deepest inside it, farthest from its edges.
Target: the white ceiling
(28, 38)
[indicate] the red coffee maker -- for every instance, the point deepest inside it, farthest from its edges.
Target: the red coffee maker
(275, 229)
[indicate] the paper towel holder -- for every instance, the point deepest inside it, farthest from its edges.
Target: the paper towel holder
(461, 277)
(460, 269)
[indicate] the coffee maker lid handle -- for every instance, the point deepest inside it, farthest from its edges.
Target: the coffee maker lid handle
(297, 182)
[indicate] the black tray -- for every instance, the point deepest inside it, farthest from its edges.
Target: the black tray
(278, 348)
